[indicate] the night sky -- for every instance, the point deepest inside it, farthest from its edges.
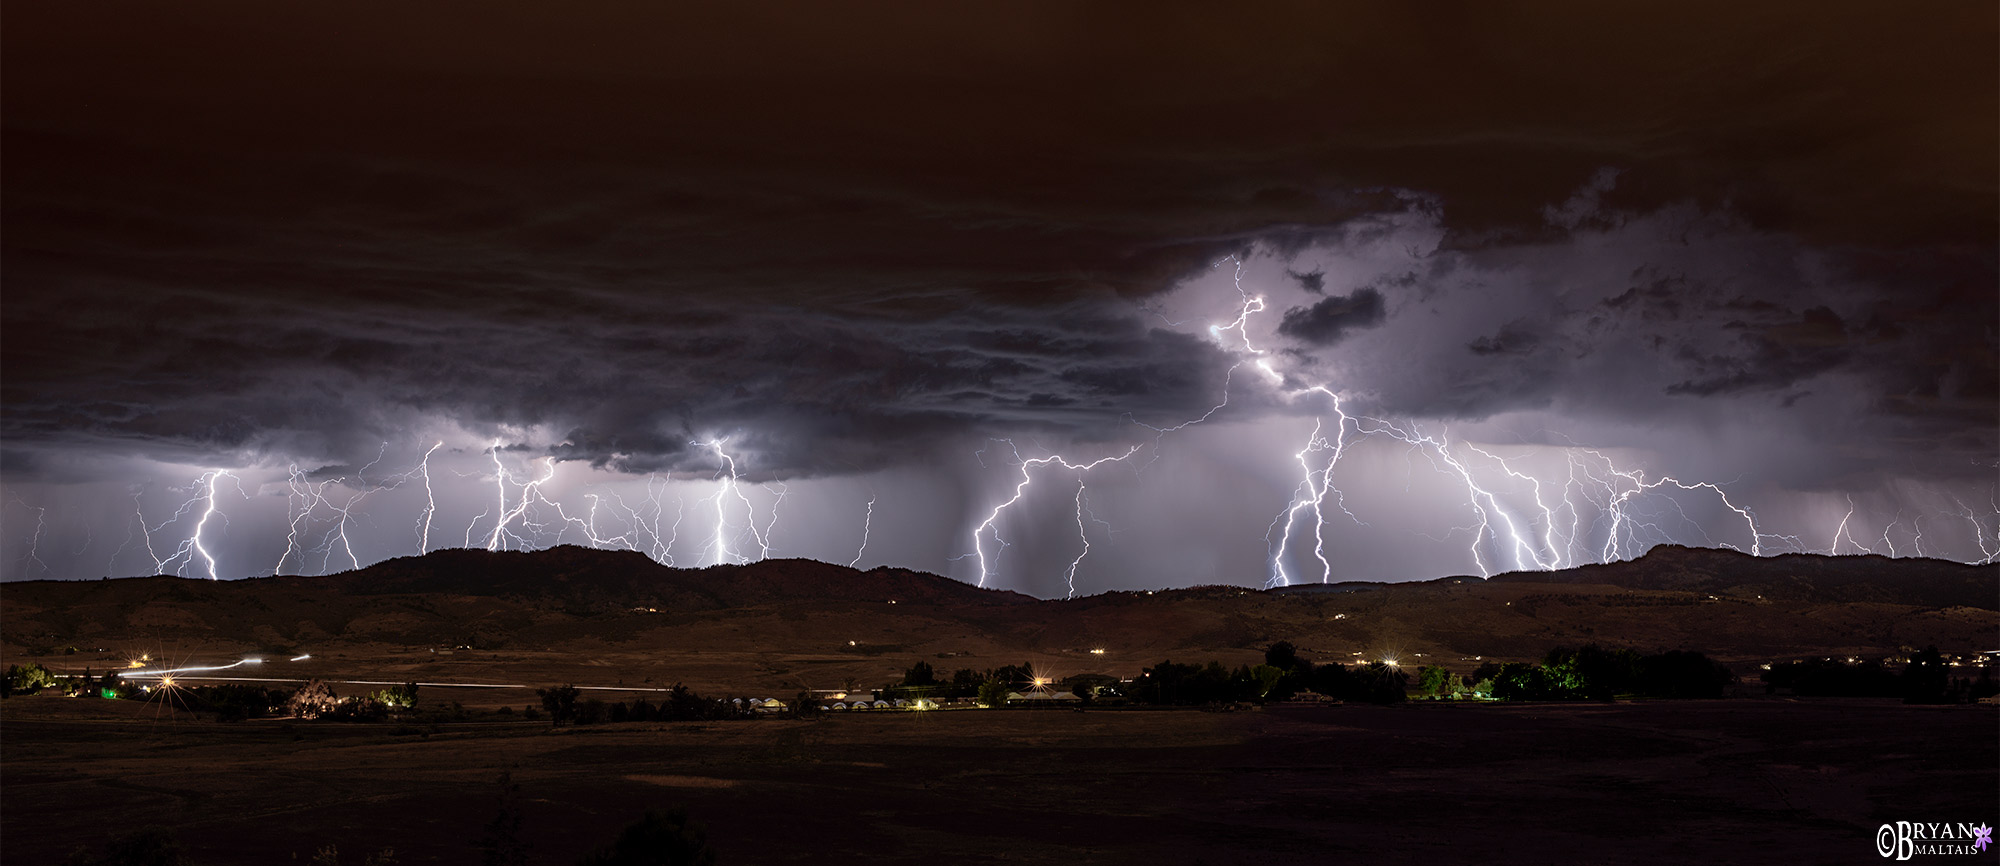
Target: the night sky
(281, 251)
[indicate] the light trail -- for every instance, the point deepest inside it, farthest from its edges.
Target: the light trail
(427, 685)
(180, 672)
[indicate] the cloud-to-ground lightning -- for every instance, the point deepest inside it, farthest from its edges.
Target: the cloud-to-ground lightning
(867, 520)
(430, 501)
(1522, 506)
(1026, 466)
(35, 539)
(193, 547)
(731, 487)
(1082, 534)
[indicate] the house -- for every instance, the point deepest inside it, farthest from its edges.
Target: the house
(1042, 697)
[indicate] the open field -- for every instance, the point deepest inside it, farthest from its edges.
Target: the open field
(1749, 780)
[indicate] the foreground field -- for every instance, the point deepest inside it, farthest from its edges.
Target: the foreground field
(1732, 781)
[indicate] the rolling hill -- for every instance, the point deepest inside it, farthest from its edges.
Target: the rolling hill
(566, 610)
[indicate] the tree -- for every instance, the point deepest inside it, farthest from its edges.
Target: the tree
(1282, 655)
(1433, 681)
(1682, 674)
(26, 680)
(312, 700)
(659, 839)
(642, 710)
(1384, 683)
(682, 704)
(401, 697)
(1827, 678)
(1519, 681)
(1015, 676)
(1171, 683)
(363, 709)
(1592, 672)
(920, 674)
(993, 693)
(560, 703)
(805, 706)
(1926, 678)
(1335, 681)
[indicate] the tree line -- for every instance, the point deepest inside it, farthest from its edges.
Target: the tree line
(565, 705)
(1925, 679)
(1595, 673)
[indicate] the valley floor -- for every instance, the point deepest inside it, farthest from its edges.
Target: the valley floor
(1747, 780)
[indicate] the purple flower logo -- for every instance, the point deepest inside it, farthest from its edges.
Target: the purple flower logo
(1982, 836)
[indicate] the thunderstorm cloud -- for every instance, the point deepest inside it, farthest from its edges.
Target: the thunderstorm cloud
(873, 241)
(1324, 323)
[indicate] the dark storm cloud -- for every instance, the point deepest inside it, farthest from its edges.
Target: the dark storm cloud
(1515, 338)
(1311, 281)
(1772, 357)
(1325, 322)
(302, 230)
(1847, 363)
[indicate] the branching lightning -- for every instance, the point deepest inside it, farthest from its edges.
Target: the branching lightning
(1512, 507)
(720, 550)
(990, 524)
(192, 547)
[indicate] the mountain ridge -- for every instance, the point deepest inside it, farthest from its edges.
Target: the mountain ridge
(754, 622)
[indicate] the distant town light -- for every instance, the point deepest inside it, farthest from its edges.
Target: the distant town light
(1097, 652)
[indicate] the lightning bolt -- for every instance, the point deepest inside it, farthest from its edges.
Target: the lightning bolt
(530, 493)
(1080, 533)
(1886, 540)
(430, 502)
(866, 520)
(990, 524)
(1987, 553)
(1841, 532)
(1517, 513)
(771, 525)
(192, 547)
(731, 487)
(35, 541)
